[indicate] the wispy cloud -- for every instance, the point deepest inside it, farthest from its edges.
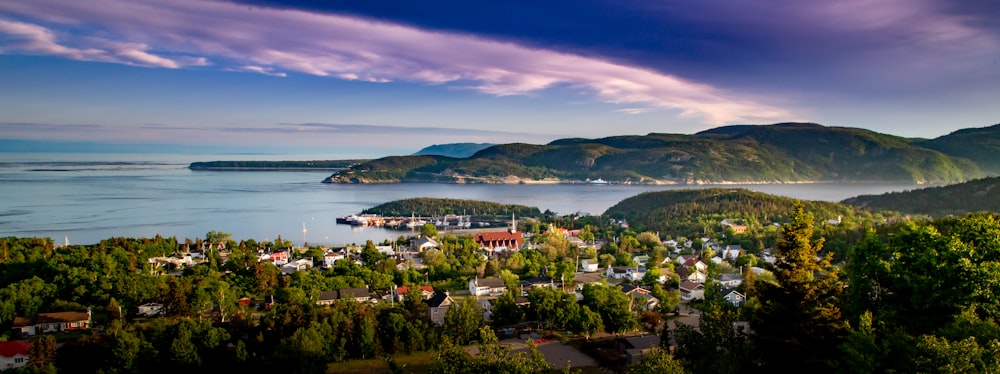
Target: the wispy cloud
(191, 32)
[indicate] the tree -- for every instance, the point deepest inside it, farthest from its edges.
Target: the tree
(464, 319)
(428, 230)
(587, 322)
(42, 353)
(657, 361)
(799, 324)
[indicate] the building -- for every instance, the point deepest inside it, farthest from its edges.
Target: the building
(51, 322)
(692, 291)
(487, 287)
(589, 265)
(730, 280)
(150, 309)
(330, 258)
(737, 225)
(423, 243)
(733, 297)
(437, 307)
(357, 294)
(500, 240)
(13, 354)
(297, 265)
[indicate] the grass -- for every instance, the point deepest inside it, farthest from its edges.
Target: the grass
(419, 362)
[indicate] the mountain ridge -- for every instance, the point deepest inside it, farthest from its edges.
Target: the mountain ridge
(779, 153)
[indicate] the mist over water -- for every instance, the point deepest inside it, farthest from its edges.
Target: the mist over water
(90, 197)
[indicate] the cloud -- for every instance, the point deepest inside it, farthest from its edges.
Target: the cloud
(263, 40)
(261, 69)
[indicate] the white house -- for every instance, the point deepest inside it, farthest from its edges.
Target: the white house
(385, 250)
(13, 354)
(297, 265)
(51, 322)
(730, 280)
(150, 309)
(424, 243)
(589, 265)
(731, 252)
(692, 291)
(487, 287)
(331, 258)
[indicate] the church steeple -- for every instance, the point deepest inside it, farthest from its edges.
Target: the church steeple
(513, 224)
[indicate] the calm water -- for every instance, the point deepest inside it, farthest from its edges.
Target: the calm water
(90, 197)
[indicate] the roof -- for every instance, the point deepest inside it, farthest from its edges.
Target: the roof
(403, 290)
(57, 317)
(438, 299)
(730, 277)
(491, 236)
(14, 348)
(589, 261)
(425, 240)
(490, 282)
(690, 286)
(643, 342)
(353, 292)
(727, 291)
(328, 295)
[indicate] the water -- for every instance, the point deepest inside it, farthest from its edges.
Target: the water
(90, 197)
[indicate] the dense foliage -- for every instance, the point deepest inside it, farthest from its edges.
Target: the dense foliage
(980, 195)
(438, 207)
(782, 152)
(981, 145)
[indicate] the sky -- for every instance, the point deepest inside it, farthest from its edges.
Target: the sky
(391, 77)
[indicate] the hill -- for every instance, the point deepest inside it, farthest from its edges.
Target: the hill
(981, 145)
(273, 165)
(426, 206)
(790, 152)
(973, 196)
(456, 150)
(695, 211)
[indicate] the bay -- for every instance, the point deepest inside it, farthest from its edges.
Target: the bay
(89, 197)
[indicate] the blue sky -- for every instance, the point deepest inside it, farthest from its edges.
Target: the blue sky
(395, 76)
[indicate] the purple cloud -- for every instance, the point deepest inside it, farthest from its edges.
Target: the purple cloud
(185, 33)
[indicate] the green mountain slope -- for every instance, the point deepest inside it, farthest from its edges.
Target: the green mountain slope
(686, 212)
(743, 154)
(981, 145)
(973, 196)
(426, 206)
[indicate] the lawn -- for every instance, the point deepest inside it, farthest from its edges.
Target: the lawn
(415, 363)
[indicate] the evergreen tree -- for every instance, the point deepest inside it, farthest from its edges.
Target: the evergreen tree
(799, 324)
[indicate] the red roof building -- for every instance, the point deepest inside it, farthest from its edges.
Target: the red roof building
(500, 239)
(13, 354)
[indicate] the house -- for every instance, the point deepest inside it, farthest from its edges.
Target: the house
(357, 294)
(735, 224)
(537, 282)
(733, 297)
(487, 287)
(589, 265)
(500, 240)
(730, 280)
(640, 296)
(691, 274)
(692, 291)
(277, 258)
(583, 279)
(637, 347)
(616, 272)
(768, 256)
(297, 265)
(13, 354)
(731, 252)
(670, 243)
(386, 250)
(51, 322)
(423, 243)
(437, 307)
(330, 258)
(150, 309)
(641, 260)
(403, 291)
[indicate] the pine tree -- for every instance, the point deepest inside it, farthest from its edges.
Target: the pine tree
(799, 324)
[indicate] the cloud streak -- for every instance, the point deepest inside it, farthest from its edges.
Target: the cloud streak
(186, 33)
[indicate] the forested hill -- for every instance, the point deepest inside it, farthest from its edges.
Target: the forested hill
(694, 211)
(457, 150)
(775, 153)
(438, 207)
(973, 196)
(981, 145)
